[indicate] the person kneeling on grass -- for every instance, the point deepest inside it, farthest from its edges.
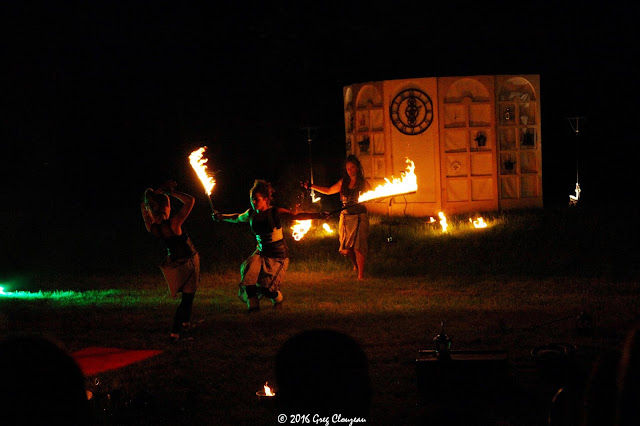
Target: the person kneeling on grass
(263, 271)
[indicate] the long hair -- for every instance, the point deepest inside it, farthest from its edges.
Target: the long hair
(359, 176)
(263, 188)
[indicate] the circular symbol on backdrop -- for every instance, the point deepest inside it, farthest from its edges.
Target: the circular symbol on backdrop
(411, 111)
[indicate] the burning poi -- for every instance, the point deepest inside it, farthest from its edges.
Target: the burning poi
(300, 228)
(199, 165)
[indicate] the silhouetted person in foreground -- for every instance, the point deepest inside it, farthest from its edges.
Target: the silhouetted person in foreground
(40, 384)
(323, 372)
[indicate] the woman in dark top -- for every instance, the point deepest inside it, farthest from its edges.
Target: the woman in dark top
(181, 268)
(354, 219)
(263, 271)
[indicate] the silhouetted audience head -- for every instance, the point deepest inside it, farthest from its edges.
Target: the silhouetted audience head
(323, 372)
(40, 384)
(612, 396)
(628, 403)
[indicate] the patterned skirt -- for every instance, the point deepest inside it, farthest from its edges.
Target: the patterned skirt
(267, 272)
(183, 275)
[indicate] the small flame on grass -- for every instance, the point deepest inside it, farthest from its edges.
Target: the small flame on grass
(199, 165)
(478, 223)
(327, 228)
(267, 390)
(443, 221)
(300, 228)
(407, 183)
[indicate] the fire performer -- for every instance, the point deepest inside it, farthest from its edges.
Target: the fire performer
(263, 271)
(354, 218)
(181, 268)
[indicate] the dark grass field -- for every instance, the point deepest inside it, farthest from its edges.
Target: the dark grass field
(518, 285)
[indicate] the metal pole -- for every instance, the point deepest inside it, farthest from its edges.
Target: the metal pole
(211, 204)
(309, 139)
(576, 130)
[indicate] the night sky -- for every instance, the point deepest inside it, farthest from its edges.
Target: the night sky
(103, 99)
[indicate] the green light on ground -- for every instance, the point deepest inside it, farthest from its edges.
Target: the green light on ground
(39, 294)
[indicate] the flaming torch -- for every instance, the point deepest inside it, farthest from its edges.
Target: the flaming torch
(199, 165)
(407, 183)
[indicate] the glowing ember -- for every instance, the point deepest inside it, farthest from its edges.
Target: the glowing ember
(443, 221)
(406, 184)
(327, 228)
(314, 199)
(199, 165)
(478, 223)
(267, 390)
(300, 228)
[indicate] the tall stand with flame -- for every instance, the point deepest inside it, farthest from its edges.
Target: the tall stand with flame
(199, 166)
(573, 199)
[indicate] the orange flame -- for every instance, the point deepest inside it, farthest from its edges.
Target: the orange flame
(478, 223)
(443, 221)
(267, 390)
(199, 165)
(407, 183)
(327, 228)
(300, 228)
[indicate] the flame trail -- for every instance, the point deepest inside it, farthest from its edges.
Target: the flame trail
(407, 183)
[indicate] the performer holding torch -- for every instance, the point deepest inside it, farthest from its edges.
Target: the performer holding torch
(354, 219)
(181, 268)
(263, 271)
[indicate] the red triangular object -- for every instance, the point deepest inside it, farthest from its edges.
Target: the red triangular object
(96, 359)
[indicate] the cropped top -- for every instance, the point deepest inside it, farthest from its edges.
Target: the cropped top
(267, 228)
(349, 197)
(178, 246)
